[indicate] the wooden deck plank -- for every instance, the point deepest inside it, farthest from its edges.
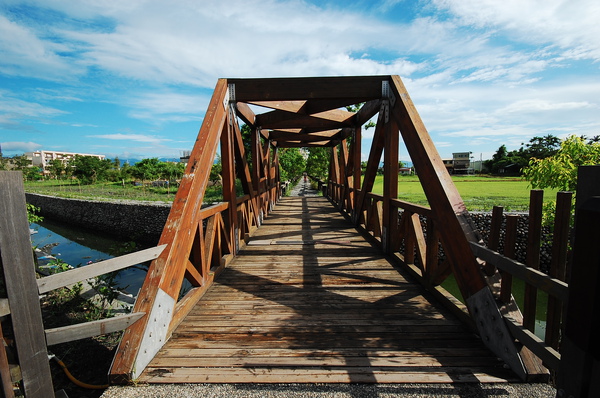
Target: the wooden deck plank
(312, 302)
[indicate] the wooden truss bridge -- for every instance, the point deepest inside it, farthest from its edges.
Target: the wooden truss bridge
(343, 287)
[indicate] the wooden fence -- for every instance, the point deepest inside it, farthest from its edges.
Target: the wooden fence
(22, 302)
(417, 246)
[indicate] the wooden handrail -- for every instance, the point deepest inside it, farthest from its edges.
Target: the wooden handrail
(546, 353)
(212, 210)
(89, 329)
(69, 277)
(422, 210)
(552, 286)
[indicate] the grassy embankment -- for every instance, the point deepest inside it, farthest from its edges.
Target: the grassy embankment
(480, 193)
(112, 191)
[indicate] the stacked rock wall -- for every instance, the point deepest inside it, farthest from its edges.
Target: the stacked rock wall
(130, 220)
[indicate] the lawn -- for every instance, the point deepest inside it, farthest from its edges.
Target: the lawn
(480, 193)
(112, 191)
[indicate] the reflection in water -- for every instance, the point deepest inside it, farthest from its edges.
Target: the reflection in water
(79, 247)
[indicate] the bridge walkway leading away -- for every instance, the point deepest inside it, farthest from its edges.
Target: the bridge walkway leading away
(308, 300)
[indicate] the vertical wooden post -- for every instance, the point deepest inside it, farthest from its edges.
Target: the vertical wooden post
(356, 158)
(579, 372)
(534, 235)
(558, 265)
(16, 260)
(510, 240)
(390, 183)
(344, 176)
(228, 174)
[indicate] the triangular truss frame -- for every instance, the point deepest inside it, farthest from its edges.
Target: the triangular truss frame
(303, 112)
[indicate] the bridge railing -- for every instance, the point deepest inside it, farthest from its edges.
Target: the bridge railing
(416, 245)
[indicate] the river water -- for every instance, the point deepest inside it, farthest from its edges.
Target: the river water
(79, 247)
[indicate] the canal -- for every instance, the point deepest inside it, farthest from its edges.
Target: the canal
(79, 247)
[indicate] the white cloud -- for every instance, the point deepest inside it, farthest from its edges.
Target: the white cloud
(167, 106)
(567, 24)
(130, 137)
(25, 54)
(20, 146)
(15, 107)
(539, 105)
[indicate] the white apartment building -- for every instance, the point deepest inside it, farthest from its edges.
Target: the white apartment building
(43, 158)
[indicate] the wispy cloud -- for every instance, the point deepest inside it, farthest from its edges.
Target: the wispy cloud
(20, 146)
(131, 137)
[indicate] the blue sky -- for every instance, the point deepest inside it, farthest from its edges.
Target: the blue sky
(133, 78)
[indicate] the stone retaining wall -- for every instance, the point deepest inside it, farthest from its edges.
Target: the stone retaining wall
(130, 220)
(484, 220)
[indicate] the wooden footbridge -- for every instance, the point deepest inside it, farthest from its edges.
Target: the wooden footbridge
(343, 287)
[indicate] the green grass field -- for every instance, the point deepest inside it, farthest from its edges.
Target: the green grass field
(112, 191)
(480, 193)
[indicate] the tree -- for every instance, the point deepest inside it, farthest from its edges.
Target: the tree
(317, 164)
(146, 169)
(505, 162)
(20, 162)
(90, 169)
(56, 168)
(542, 147)
(292, 163)
(560, 170)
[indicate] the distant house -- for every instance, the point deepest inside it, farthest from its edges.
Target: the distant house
(459, 164)
(449, 165)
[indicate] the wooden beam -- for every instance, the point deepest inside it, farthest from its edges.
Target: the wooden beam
(164, 271)
(67, 278)
(372, 166)
(354, 89)
(246, 114)
(281, 136)
(282, 120)
(320, 144)
(449, 210)
(288, 106)
(367, 111)
(446, 204)
(317, 105)
(16, 261)
(80, 331)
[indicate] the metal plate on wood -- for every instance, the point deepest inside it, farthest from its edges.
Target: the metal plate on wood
(155, 334)
(493, 331)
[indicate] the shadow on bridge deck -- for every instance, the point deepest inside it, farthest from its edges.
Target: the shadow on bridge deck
(308, 300)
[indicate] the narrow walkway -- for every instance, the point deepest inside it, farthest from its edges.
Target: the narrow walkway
(310, 301)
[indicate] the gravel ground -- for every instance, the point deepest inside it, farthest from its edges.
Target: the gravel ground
(303, 189)
(332, 391)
